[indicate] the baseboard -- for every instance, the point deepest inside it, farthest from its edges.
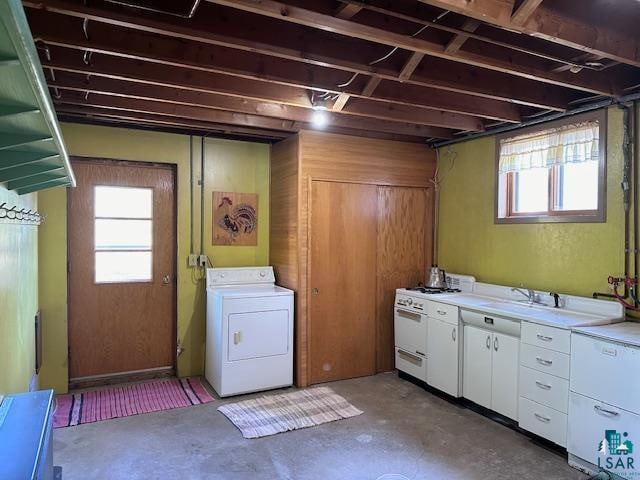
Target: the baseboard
(120, 377)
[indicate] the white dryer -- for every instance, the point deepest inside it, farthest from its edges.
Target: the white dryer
(249, 331)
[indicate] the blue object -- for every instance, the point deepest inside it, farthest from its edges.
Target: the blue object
(26, 437)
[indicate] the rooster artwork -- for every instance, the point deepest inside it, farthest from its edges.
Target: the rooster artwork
(235, 218)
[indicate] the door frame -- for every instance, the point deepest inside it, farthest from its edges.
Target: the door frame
(139, 374)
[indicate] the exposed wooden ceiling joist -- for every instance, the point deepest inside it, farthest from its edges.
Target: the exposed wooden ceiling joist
(470, 25)
(172, 49)
(240, 104)
(544, 22)
(524, 11)
(587, 81)
(414, 132)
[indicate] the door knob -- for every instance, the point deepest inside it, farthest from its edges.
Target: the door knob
(166, 280)
(315, 291)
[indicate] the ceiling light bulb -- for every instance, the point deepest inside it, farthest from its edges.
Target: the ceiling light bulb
(319, 118)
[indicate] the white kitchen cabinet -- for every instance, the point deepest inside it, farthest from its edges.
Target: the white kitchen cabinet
(444, 356)
(476, 384)
(490, 376)
(504, 375)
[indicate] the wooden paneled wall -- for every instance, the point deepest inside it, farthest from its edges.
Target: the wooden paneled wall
(315, 155)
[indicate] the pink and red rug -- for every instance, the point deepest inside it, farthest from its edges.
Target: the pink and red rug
(125, 400)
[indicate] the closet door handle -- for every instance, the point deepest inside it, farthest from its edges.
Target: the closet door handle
(488, 342)
(453, 334)
(495, 344)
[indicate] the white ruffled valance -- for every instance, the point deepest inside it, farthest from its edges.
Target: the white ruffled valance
(567, 144)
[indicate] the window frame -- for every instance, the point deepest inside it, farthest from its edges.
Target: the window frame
(503, 191)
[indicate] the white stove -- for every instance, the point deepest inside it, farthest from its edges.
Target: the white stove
(412, 311)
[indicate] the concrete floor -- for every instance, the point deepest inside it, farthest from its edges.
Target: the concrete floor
(404, 430)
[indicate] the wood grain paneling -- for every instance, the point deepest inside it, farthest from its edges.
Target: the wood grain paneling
(403, 255)
(341, 158)
(120, 327)
(342, 277)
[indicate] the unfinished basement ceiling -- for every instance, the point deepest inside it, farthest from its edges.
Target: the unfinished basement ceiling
(408, 70)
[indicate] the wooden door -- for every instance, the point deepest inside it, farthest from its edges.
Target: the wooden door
(404, 253)
(122, 289)
(342, 281)
(476, 372)
(504, 375)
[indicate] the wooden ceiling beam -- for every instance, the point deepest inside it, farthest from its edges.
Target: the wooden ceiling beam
(117, 117)
(470, 25)
(526, 66)
(165, 94)
(370, 127)
(544, 22)
(139, 118)
(347, 11)
(132, 40)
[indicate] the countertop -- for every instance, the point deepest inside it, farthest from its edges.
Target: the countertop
(540, 314)
(625, 332)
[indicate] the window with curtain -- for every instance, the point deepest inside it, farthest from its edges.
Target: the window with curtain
(552, 173)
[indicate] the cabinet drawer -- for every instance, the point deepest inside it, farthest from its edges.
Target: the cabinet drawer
(545, 360)
(606, 370)
(545, 389)
(410, 331)
(543, 421)
(548, 337)
(588, 421)
(410, 363)
(442, 311)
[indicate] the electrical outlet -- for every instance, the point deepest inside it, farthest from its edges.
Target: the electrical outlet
(193, 260)
(203, 261)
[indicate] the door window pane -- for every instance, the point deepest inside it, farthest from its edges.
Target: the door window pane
(577, 187)
(123, 234)
(113, 234)
(123, 202)
(531, 192)
(114, 267)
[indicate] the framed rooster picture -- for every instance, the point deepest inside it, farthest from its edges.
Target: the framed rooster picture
(235, 219)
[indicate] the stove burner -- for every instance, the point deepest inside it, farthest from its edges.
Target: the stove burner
(433, 291)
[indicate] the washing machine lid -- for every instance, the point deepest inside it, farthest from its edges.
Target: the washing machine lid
(251, 291)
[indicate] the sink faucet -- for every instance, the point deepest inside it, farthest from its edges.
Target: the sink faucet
(530, 294)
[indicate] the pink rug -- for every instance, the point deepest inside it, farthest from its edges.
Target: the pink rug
(125, 400)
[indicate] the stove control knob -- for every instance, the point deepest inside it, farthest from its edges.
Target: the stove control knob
(409, 301)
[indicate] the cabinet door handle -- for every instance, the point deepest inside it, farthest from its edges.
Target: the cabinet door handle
(453, 334)
(542, 418)
(441, 312)
(489, 342)
(237, 338)
(544, 386)
(542, 361)
(544, 338)
(605, 411)
(495, 344)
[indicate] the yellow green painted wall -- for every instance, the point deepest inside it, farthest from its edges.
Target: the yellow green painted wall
(229, 166)
(574, 258)
(18, 296)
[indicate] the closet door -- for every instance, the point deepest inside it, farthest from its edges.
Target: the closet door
(404, 253)
(342, 280)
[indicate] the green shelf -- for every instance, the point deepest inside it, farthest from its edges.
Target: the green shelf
(32, 152)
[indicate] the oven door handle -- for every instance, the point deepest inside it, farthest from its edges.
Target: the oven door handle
(408, 314)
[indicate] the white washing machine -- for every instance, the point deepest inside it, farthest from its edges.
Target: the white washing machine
(249, 331)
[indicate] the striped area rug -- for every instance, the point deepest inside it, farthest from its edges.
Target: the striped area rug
(268, 415)
(125, 400)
